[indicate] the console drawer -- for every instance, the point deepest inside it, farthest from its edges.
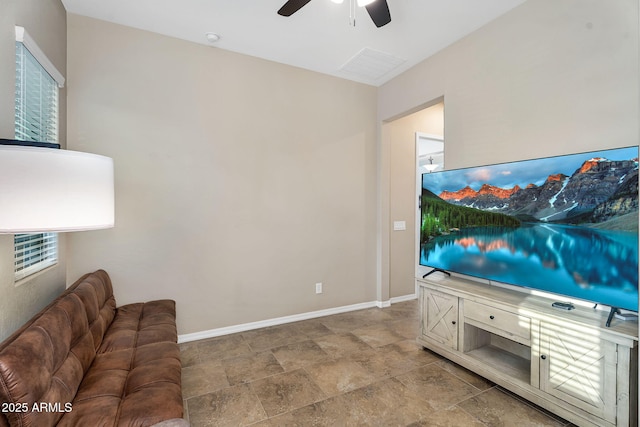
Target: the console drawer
(498, 320)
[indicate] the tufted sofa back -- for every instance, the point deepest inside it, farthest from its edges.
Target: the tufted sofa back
(53, 351)
(96, 292)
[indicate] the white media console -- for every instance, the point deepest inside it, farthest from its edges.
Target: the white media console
(566, 361)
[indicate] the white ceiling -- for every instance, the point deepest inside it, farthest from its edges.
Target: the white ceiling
(318, 37)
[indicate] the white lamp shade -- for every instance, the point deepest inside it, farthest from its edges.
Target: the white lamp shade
(44, 189)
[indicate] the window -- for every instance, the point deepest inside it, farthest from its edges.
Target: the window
(34, 252)
(36, 119)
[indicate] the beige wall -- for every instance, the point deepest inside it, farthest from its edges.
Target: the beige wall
(240, 183)
(549, 77)
(45, 21)
(402, 192)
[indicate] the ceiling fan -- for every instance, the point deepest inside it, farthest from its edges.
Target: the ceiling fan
(378, 9)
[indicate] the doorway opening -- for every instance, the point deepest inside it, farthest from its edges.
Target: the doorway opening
(409, 143)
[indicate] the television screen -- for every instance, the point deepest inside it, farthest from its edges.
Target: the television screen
(566, 224)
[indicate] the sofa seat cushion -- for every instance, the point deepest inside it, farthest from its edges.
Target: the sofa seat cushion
(130, 387)
(135, 377)
(138, 324)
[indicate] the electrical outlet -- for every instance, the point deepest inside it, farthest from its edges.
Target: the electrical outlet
(318, 288)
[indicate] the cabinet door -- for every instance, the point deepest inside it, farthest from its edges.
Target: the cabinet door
(440, 317)
(580, 368)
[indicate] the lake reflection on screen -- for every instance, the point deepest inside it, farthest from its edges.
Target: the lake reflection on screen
(591, 264)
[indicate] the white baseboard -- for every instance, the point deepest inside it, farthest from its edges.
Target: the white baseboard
(403, 298)
(211, 333)
(394, 300)
(383, 304)
(272, 322)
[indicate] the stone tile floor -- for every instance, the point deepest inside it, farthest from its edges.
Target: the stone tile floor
(361, 368)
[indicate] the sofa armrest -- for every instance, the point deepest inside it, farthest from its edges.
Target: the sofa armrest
(174, 422)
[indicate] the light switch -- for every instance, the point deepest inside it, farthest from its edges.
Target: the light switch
(399, 225)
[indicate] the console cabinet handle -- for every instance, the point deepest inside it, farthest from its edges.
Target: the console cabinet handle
(492, 317)
(543, 357)
(453, 322)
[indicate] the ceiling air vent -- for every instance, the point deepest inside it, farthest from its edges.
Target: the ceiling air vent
(369, 64)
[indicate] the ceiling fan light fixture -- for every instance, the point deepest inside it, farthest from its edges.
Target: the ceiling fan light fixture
(378, 10)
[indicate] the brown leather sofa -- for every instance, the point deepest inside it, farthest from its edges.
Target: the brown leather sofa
(83, 362)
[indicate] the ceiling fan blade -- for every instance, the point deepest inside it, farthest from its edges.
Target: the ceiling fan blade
(379, 12)
(291, 7)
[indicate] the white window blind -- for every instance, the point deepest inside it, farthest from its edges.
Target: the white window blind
(36, 99)
(34, 252)
(36, 119)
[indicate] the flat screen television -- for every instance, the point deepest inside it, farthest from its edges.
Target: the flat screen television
(567, 225)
